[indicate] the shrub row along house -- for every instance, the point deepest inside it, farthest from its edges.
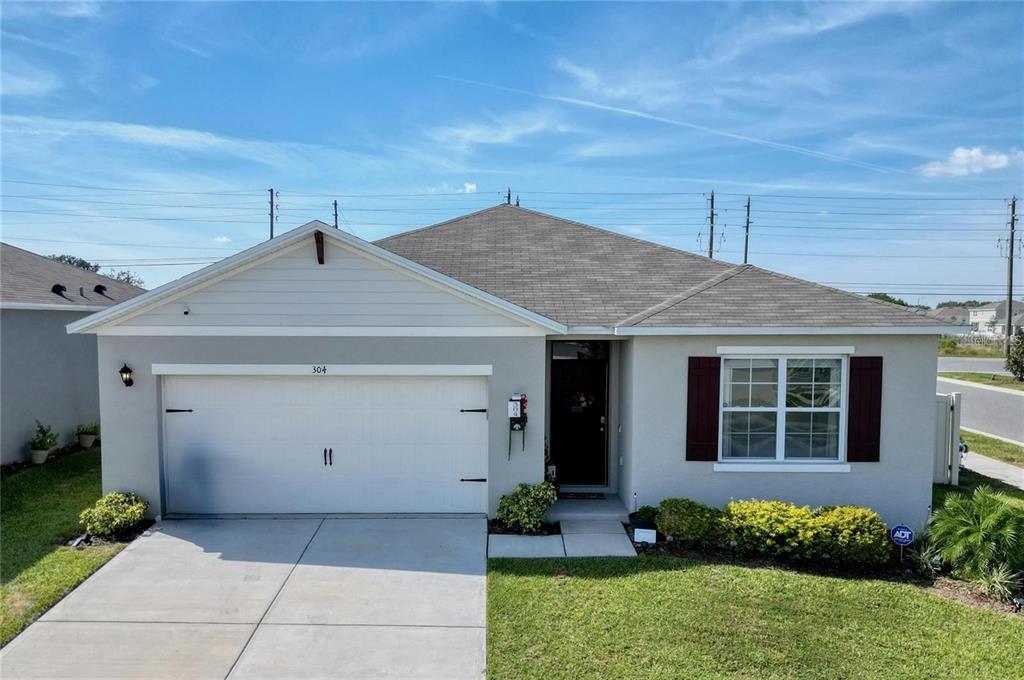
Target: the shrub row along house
(434, 370)
(48, 375)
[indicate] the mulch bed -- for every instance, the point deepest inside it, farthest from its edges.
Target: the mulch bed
(18, 466)
(496, 527)
(85, 540)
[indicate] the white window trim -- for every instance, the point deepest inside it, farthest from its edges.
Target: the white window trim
(780, 463)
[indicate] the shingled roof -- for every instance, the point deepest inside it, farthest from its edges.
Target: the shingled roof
(27, 280)
(584, 276)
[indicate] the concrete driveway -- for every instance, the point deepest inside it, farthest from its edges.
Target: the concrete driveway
(273, 598)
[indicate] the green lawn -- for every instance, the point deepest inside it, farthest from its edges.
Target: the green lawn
(666, 617)
(980, 351)
(994, 448)
(993, 379)
(969, 481)
(39, 510)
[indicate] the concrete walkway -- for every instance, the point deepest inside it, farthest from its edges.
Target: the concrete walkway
(579, 538)
(273, 598)
(996, 469)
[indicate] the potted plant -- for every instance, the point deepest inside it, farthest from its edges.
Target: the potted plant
(87, 433)
(42, 442)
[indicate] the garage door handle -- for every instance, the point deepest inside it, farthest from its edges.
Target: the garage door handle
(473, 479)
(325, 457)
(330, 456)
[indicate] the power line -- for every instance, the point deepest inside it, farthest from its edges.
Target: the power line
(128, 190)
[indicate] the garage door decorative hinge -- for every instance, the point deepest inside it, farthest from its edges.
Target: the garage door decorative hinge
(473, 479)
(177, 410)
(472, 410)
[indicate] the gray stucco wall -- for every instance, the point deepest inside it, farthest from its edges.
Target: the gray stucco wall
(654, 425)
(45, 374)
(131, 417)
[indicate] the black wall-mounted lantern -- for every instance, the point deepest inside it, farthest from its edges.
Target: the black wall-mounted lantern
(126, 376)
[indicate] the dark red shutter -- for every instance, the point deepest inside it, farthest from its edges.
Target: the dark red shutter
(864, 412)
(702, 406)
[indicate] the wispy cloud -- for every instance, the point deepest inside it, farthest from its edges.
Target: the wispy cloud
(65, 10)
(501, 130)
(962, 162)
(634, 113)
(468, 188)
(222, 239)
(644, 89)
(19, 79)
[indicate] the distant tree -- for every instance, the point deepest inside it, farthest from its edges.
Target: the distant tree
(76, 261)
(885, 297)
(127, 276)
(959, 303)
(1015, 359)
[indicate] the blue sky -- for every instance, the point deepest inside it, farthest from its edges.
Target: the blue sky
(851, 125)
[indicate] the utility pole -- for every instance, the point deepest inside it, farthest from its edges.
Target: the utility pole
(335, 214)
(508, 197)
(711, 234)
(746, 232)
(272, 208)
(1009, 277)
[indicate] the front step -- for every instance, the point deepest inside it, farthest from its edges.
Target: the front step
(609, 508)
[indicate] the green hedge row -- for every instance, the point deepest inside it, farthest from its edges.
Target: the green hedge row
(844, 534)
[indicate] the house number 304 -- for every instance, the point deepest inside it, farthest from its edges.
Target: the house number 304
(320, 369)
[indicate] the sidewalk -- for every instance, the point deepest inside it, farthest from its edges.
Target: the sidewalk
(996, 469)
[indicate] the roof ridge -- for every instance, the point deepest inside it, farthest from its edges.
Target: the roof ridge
(620, 235)
(439, 224)
(674, 300)
(71, 267)
(857, 296)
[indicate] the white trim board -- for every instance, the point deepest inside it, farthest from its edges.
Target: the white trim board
(785, 330)
(325, 370)
(53, 307)
(328, 331)
(781, 350)
(773, 466)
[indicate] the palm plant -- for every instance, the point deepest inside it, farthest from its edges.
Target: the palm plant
(979, 533)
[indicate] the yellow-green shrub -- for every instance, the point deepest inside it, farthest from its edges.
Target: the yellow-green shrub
(114, 514)
(523, 510)
(849, 534)
(689, 522)
(845, 534)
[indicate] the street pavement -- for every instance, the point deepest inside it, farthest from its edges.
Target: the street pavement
(996, 412)
(972, 365)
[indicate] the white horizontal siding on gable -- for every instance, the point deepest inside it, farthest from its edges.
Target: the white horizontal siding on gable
(349, 289)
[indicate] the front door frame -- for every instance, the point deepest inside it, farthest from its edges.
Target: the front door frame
(612, 460)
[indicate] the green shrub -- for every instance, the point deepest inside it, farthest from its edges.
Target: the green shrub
(88, 428)
(845, 534)
(849, 534)
(770, 528)
(114, 514)
(689, 522)
(523, 509)
(977, 533)
(44, 438)
(646, 515)
(999, 582)
(1015, 359)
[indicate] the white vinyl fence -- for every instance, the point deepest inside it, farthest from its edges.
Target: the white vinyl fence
(947, 439)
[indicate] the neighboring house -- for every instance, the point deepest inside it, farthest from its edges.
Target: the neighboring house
(999, 325)
(986, 318)
(954, 316)
(45, 373)
(317, 372)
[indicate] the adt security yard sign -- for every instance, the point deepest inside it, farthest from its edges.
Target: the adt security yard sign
(901, 535)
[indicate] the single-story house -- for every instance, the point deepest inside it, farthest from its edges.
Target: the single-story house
(954, 316)
(320, 373)
(46, 374)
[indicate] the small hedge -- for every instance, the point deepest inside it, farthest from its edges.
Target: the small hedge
(844, 534)
(114, 514)
(523, 509)
(689, 522)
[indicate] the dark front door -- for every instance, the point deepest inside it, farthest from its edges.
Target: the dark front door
(579, 412)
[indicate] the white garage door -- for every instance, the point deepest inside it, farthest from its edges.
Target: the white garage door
(256, 444)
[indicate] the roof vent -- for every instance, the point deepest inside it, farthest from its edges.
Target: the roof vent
(100, 288)
(81, 291)
(58, 289)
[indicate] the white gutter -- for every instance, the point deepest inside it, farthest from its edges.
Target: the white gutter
(40, 306)
(788, 330)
